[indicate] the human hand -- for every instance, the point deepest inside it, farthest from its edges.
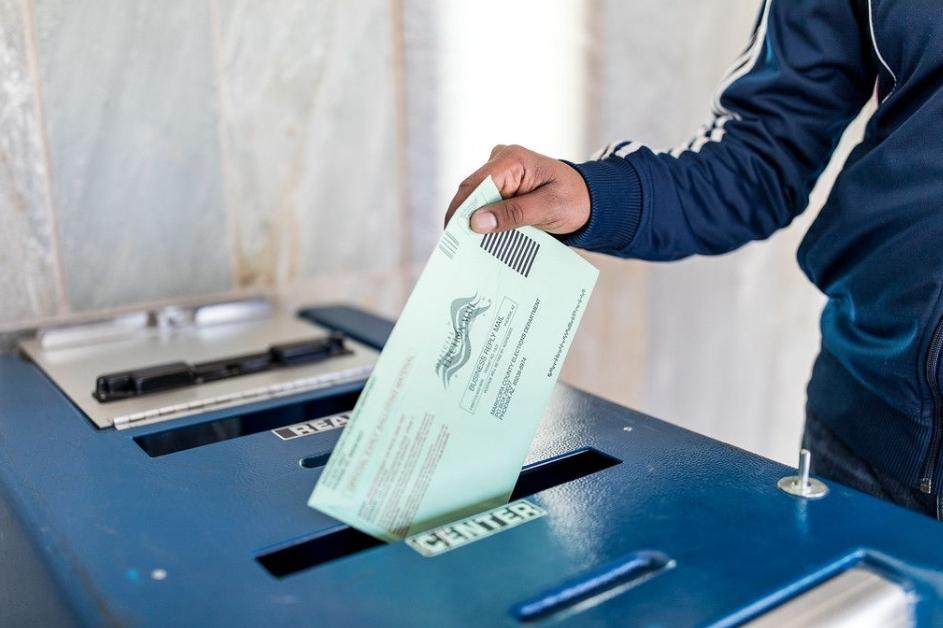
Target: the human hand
(537, 190)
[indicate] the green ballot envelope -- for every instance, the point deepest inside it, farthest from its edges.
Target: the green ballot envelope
(446, 419)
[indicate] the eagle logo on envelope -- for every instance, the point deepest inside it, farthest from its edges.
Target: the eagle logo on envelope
(457, 350)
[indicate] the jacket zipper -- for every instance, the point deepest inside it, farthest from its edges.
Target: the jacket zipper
(933, 379)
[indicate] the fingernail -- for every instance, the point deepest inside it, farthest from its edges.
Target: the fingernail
(483, 222)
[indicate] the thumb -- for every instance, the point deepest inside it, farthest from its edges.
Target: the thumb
(517, 211)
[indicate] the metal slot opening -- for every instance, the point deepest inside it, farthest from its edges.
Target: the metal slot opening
(856, 597)
(331, 545)
(171, 441)
(345, 541)
(544, 474)
(593, 588)
(315, 462)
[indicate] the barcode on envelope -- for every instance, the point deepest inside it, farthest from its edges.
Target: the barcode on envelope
(448, 244)
(513, 248)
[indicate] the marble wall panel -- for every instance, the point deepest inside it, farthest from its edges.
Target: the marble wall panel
(308, 107)
(730, 340)
(609, 354)
(424, 133)
(129, 96)
(29, 283)
(383, 292)
(660, 62)
(734, 338)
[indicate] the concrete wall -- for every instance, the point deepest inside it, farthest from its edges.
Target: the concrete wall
(156, 151)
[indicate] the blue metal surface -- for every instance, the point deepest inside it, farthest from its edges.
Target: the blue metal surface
(28, 594)
(364, 327)
(101, 516)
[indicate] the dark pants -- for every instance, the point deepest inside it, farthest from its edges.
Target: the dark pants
(832, 460)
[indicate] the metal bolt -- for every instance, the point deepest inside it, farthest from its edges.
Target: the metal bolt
(802, 485)
(805, 464)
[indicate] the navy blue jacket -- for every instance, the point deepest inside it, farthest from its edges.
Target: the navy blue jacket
(876, 248)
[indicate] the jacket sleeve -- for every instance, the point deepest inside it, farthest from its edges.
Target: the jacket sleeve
(779, 114)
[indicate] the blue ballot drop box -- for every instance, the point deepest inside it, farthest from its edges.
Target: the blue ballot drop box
(622, 519)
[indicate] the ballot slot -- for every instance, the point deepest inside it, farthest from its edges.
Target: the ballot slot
(539, 476)
(315, 462)
(333, 544)
(344, 541)
(594, 587)
(162, 443)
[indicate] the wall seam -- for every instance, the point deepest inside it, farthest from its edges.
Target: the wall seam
(595, 127)
(63, 306)
(222, 119)
(397, 8)
(593, 61)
